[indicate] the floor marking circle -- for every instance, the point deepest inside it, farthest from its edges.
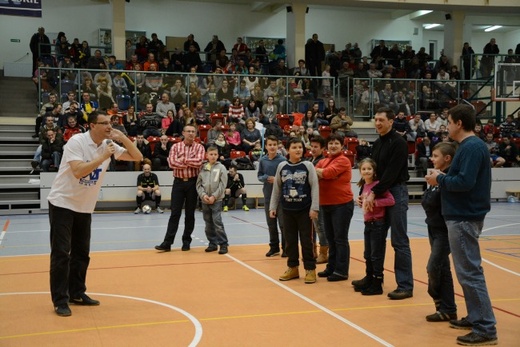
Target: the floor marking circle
(198, 327)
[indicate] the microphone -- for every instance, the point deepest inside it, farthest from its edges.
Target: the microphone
(112, 158)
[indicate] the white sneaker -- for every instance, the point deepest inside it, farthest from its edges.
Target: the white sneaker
(137, 210)
(159, 210)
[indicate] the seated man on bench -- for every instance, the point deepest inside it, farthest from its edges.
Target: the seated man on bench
(235, 187)
(148, 189)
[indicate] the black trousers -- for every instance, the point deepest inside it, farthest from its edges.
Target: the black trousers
(184, 193)
(70, 248)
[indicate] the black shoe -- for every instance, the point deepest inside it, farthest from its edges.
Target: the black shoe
(34, 164)
(362, 284)
(473, 339)
(462, 324)
(223, 249)
(284, 255)
(63, 310)
(336, 278)
(84, 300)
(272, 252)
(400, 294)
(324, 273)
(211, 248)
(441, 317)
(34, 136)
(375, 287)
(163, 247)
(185, 247)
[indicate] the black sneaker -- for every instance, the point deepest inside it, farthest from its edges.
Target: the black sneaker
(336, 278)
(35, 164)
(473, 339)
(362, 284)
(272, 252)
(84, 300)
(462, 324)
(441, 317)
(400, 294)
(163, 247)
(211, 248)
(223, 249)
(185, 247)
(324, 273)
(63, 310)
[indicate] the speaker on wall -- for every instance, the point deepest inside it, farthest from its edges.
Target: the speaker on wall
(447, 16)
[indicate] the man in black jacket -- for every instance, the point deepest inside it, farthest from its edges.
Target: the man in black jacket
(390, 152)
(160, 154)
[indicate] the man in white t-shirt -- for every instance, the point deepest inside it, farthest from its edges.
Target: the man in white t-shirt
(72, 200)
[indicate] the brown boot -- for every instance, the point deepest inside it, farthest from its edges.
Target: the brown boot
(323, 257)
(290, 274)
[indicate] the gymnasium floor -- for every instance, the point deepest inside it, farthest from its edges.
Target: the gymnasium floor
(199, 299)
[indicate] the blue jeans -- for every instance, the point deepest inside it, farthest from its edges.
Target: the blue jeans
(375, 248)
(440, 280)
(337, 223)
(54, 160)
(274, 238)
(397, 219)
(214, 229)
(465, 250)
(319, 228)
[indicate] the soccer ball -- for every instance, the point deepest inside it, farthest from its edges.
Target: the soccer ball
(147, 209)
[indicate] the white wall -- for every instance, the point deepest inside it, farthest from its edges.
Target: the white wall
(82, 19)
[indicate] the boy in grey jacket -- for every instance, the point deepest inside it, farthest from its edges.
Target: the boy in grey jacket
(211, 185)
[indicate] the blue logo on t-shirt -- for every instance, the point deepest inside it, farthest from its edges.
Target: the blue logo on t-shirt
(90, 179)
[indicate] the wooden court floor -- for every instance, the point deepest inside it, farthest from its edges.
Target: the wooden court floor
(200, 299)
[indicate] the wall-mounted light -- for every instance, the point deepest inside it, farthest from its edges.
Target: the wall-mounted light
(491, 28)
(430, 26)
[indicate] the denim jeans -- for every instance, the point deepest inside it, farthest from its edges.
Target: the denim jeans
(54, 160)
(440, 280)
(465, 250)
(274, 238)
(215, 232)
(184, 193)
(297, 225)
(38, 154)
(375, 248)
(70, 248)
(337, 223)
(319, 228)
(397, 219)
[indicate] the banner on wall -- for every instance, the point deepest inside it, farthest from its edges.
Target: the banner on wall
(26, 8)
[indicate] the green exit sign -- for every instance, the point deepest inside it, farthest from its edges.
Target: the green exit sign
(15, 40)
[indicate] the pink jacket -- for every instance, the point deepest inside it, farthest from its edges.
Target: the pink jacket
(380, 203)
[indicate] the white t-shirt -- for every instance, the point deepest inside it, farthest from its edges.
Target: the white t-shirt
(80, 195)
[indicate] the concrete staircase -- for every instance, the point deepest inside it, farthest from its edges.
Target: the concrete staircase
(19, 189)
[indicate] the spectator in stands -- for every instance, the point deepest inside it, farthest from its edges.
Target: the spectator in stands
(496, 160)
(490, 127)
(213, 49)
(224, 95)
(113, 64)
(96, 61)
(174, 127)
(131, 121)
(373, 72)
(432, 125)
(104, 95)
(331, 110)
(52, 149)
(509, 151)
(117, 124)
(186, 117)
(252, 110)
(141, 49)
(479, 132)
(224, 151)
(309, 121)
(84, 54)
(143, 146)
(417, 128)
(88, 106)
(214, 132)
(191, 41)
(47, 107)
(468, 60)
(363, 150)
(156, 47)
(250, 135)
(235, 188)
(167, 121)
(236, 112)
(314, 55)
(71, 128)
(164, 106)
(508, 128)
(487, 61)
(256, 153)
(232, 137)
(269, 111)
(71, 98)
(401, 126)
(242, 92)
(368, 95)
(341, 124)
(178, 92)
(379, 54)
(192, 59)
(148, 189)
(200, 114)
(150, 122)
(40, 46)
(387, 97)
(424, 153)
(160, 154)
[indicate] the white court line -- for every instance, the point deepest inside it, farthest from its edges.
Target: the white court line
(2, 237)
(198, 327)
(493, 264)
(313, 303)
